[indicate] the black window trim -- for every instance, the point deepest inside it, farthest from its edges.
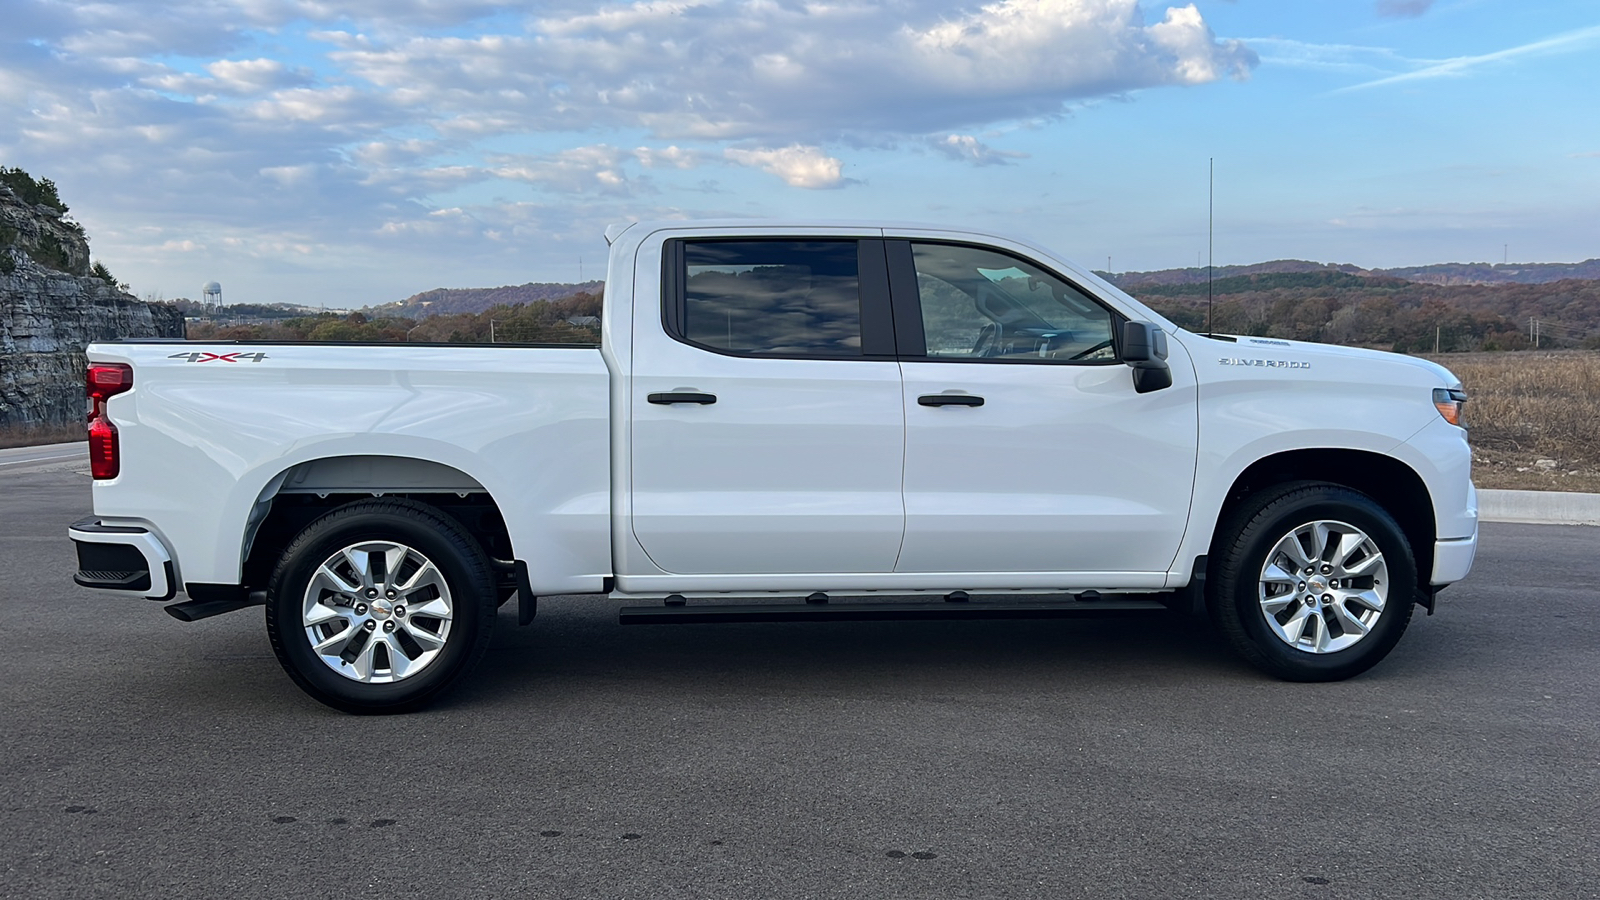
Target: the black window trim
(878, 342)
(907, 301)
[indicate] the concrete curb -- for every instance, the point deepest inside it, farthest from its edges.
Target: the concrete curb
(1539, 507)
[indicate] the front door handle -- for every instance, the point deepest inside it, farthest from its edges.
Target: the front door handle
(950, 400)
(670, 397)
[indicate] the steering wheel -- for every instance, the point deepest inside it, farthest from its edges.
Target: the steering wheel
(1095, 349)
(988, 337)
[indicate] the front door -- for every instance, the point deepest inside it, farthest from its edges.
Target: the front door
(767, 428)
(1063, 467)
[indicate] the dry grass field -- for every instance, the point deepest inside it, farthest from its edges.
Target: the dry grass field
(1533, 418)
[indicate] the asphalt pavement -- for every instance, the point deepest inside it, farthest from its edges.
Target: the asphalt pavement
(20, 458)
(140, 756)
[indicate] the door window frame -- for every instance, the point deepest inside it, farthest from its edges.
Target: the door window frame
(878, 321)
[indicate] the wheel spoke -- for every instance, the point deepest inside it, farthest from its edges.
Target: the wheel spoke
(1349, 543)
(326, 577)
(426, 574)
(1370, 598)
(361, 562)
(321, 612)
(1276, 574)
(1349, 622)
(1363, 566)
(1274, 605)
(1296, 626)
(423, 636)
(324, 647)
(399, 663)
(1290, 546)
(1319, 638)
(362, 664)
(1319, 541)
(393, 558)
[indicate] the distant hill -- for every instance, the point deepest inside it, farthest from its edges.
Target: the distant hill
(1438, 273)
(451, 301)
(1498, 273)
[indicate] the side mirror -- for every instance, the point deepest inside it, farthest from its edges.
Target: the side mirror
(1144, 349)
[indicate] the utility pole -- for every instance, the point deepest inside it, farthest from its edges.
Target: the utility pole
(1436, 340)
(491, 331)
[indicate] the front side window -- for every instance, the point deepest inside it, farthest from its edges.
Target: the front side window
(982, 304)
(773, 298)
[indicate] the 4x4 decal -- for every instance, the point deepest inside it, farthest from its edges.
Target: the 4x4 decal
(203, 356)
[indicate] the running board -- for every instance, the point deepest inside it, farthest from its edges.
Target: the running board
(682, 613)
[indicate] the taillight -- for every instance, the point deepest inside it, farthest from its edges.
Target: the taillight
(105, 380)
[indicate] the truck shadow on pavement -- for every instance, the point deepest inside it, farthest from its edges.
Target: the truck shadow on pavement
(576, 640)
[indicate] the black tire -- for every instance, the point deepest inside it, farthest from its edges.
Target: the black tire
(1246, 543)
(435, 537)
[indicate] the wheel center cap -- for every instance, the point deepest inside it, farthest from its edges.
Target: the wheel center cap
(382, 609)
(1317, 585)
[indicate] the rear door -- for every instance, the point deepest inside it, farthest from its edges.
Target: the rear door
(1027, 448)
(767, 424)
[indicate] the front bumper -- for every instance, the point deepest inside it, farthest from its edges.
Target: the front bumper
(1452, 559)
(127, 560)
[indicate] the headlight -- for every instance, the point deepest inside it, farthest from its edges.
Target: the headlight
(1449, 402)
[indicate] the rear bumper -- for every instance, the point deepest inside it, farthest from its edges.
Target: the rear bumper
(126, 560)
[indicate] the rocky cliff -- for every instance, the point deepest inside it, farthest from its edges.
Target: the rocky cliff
(51, 306)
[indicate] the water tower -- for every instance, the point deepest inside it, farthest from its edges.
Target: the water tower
(211, 293)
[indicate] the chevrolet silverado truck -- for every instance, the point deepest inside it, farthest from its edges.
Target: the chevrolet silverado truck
(783, 422)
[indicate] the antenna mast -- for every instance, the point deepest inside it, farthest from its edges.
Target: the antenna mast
(1211, 230)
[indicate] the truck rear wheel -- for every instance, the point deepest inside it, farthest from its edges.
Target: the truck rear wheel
(1316, 582)
(380, 606)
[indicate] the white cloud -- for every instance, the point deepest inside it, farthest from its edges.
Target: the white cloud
(1461, 65)
(793, 72)
(673, 157)
(578, 170)
(802, 167)
(256, 127)
(967, 148)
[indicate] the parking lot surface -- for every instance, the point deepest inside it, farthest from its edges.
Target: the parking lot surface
(146, 757)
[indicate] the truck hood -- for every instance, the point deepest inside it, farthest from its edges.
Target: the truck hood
(1248, 347)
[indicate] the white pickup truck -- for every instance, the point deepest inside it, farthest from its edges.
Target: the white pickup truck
(784, 422)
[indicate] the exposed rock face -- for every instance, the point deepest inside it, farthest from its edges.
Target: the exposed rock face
(50, 308)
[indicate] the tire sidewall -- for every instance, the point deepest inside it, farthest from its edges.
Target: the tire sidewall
(466, 576)
(1261, 533)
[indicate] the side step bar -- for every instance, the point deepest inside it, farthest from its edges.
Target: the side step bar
(681, 613)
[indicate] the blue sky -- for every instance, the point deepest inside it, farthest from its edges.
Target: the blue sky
(347, 153)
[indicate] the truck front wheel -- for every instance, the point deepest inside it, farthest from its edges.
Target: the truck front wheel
(1316, 582)
(379, 606)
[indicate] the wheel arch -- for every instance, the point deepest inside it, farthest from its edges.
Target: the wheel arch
(1392, 484)
(303, 492)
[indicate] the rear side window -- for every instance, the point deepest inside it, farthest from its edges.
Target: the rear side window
(770, 298)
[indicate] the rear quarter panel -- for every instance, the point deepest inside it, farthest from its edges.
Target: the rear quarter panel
(201, 441)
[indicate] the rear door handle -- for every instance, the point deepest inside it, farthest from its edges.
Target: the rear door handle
(950, 400)
(670, 397)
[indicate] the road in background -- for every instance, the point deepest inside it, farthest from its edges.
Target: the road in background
(15, 459)
(1057, 759)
